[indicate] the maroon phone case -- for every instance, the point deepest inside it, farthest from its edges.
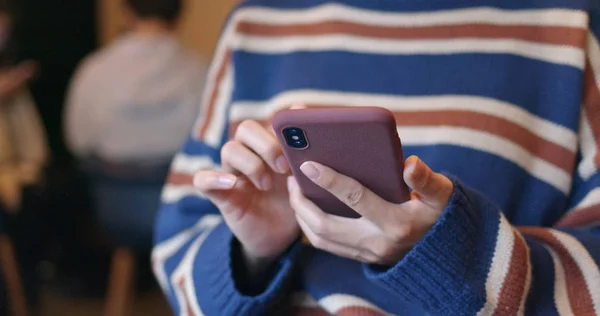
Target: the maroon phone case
(359, 142)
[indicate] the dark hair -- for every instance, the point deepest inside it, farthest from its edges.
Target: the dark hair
(9, 53)
(167, 10)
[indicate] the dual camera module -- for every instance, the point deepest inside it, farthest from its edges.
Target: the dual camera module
(295, 137)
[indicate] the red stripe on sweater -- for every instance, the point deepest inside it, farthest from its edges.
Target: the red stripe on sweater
(577, 288)
(214, 95)
(575, 37)
(187, 306)
(516, 281)
(585, 217)
(176, 178)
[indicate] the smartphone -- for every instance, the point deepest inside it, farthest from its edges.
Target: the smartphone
(359, 142)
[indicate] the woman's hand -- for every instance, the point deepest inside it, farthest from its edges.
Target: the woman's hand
(386, 231)
(252, 195)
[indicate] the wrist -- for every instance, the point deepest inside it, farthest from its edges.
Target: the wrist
(256, 264)
(253, 272)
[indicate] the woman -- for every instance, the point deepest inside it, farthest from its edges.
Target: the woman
(489, 92)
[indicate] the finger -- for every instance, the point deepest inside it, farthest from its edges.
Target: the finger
(336, 229)
(349, 191)
(236, 157)
(259, 140)
(333, 247)
(431, 187)
(220, 188)
(208, 180)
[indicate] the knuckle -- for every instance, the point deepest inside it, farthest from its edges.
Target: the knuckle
(384, 251)
(228, 150)
(355, 195)
(319, 243)
(331, 183)
(321, 228)
(255, 167)
(426, 179)
(295, 201)
(244, 127)
(271, 151)
(400, 234)
(358, 256)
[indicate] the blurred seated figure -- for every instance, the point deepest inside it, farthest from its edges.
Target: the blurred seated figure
(129, 109)
(24, 155)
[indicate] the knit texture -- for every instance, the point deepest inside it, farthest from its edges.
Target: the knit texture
(501, 96)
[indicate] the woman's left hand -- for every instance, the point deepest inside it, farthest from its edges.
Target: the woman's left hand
(386, 231)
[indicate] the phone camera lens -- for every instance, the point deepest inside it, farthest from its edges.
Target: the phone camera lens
(295, 138)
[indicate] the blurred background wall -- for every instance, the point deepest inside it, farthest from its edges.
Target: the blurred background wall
(199, 29)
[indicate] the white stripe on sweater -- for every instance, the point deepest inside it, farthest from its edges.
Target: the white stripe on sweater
(589, 145)
(561, 297)
(173, 193)
(214, 133)
(186, 296)
(478, 140)
(591, 199)
(188, 164)
(538, 126)
(558, 54)
(166, 249)
(185, 271)
(535, 17)
(337, 302)
(528, 277)
(593, 51)
(503, 252)
(219, 60)
(589, 148)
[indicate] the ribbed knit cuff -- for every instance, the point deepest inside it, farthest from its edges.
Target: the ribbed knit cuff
(215, 284)
(434, 273)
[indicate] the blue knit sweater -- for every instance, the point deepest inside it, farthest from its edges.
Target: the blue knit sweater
(501, 95)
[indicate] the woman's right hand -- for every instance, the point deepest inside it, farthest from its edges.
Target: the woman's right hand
(252, 194)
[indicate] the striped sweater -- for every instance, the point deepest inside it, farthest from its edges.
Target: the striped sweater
(503, 95)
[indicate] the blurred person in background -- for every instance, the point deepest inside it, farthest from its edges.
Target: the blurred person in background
(24, 154)
(129, 108)
(23, 147)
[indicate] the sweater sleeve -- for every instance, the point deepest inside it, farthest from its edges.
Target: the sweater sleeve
(193, 248)
(474, 262)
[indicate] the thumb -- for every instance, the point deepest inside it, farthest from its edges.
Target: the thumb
(432, 188)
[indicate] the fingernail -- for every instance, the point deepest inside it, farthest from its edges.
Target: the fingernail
(227, 181)
(310, 171)
(410, 169)
(282, 164)
(298, 107)
(216, 182)
(265, 182)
